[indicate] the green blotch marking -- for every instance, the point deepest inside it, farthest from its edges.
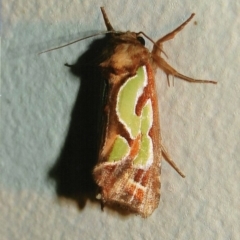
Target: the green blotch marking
(145, 152)
(127, 100)
(147, 118)
(126, 105)
(120, 149)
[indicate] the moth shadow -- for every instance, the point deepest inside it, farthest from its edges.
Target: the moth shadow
(72, 171)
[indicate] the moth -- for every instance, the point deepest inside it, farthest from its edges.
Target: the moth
(129, 162)
(129, 165)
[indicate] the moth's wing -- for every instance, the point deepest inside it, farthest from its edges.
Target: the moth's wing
(134, 186)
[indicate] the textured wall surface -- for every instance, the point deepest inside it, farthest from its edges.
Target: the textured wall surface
(45, 188)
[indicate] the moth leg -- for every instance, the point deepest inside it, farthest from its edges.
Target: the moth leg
(170, 161)
(169, 70)
(172, 34)
(157, 48)
(161, 63)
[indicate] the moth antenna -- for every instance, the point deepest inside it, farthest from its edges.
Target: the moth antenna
(78, 40)
(106, 20)
(146, 36)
